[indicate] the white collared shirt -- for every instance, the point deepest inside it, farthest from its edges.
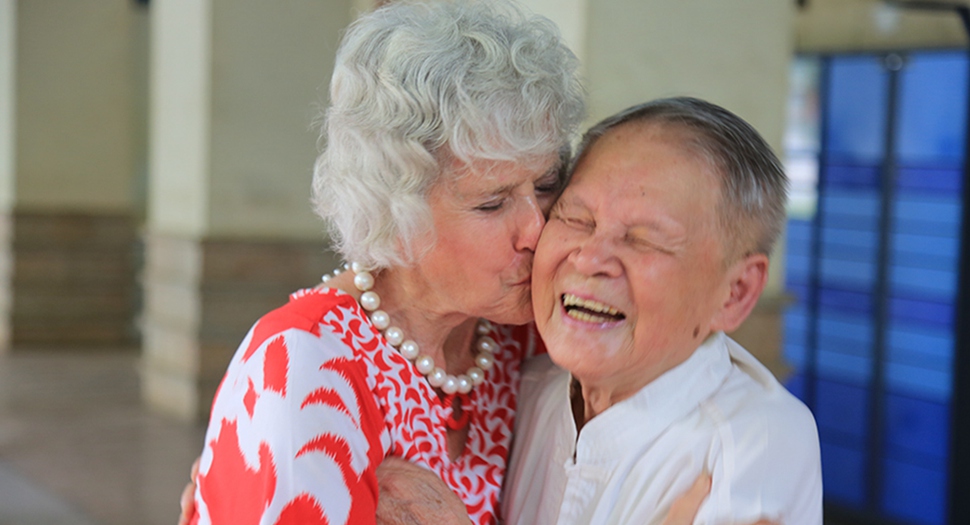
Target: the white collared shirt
(720, 410)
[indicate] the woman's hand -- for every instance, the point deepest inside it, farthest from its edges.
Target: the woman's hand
(685, 508)
(187, 501)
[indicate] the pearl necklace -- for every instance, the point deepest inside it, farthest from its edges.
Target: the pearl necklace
(436, 376)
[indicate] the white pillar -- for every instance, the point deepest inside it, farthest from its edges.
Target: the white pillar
(8, 97)
(234, 90)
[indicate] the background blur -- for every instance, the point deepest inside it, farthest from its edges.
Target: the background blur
(155, 164)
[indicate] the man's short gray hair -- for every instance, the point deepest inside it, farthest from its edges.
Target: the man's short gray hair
(754, 187)
(417, 85)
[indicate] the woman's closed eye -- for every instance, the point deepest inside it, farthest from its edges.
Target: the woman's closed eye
(548, 187)
(491, 206)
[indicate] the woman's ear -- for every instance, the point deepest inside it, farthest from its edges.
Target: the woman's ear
(747, 279)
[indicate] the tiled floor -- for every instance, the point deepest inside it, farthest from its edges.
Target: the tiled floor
(77, 446)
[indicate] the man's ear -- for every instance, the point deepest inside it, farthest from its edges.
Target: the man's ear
(747, 279)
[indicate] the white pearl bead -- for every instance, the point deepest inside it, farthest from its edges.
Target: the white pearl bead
(370, 301)
(437, 377)
(337, 272)
(394, 336)
(346, 266)
(326, 277)
(364, 281)
(464, 384)
(450, 386)
(483, 327)
(425, 365)
(409, 349)
(477, 375)
(487, 344)
(380, 319)
(484, 361)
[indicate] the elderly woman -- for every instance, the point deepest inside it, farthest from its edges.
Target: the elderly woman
(444, 147)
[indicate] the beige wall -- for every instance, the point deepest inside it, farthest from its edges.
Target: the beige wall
(271, 72)
(75, 107)
(859, 25)
(732, 53)
(570, 16)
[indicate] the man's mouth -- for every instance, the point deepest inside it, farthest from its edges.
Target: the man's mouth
(590, 311)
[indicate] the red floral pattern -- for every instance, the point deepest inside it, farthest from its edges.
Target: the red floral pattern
(314, 399)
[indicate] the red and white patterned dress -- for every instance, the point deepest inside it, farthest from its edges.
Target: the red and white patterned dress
(315, 398)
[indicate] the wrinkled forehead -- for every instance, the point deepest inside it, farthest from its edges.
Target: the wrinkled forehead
(636, 136)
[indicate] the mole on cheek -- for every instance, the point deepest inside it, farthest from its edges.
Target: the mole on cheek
(697, 330)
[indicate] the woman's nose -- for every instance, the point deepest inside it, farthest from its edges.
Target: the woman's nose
(531, 220)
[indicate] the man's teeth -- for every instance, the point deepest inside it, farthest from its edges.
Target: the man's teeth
(589, 310)
(589, 318)
(596, 306)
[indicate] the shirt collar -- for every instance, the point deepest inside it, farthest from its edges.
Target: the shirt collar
(661, 402)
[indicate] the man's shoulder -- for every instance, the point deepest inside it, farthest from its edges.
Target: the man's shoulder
(752, 398)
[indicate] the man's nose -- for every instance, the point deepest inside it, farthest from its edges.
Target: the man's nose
(595, 256)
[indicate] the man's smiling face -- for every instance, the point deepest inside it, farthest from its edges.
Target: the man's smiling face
(629, 272)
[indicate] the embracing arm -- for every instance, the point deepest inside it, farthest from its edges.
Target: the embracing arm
(411, 495)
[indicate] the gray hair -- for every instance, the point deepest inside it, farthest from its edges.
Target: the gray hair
(754, 187)
(418, 85)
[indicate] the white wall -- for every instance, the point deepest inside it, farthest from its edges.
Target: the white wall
(75, 105)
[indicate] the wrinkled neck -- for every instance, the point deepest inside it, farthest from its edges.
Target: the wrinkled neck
(443, 335)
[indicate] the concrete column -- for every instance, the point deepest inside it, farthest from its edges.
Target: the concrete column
(736, 54)
(235, 86)
(67, 137)
(8, 97)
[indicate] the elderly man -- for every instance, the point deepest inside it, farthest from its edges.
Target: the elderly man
(657, 247)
